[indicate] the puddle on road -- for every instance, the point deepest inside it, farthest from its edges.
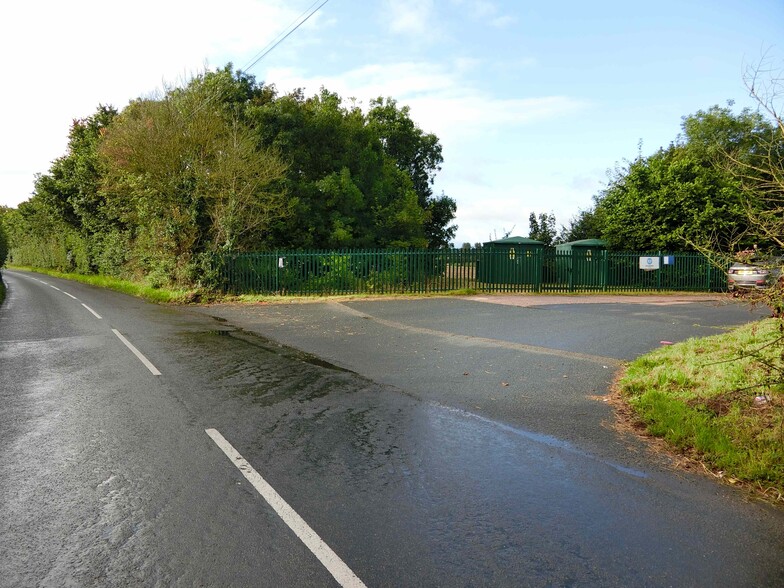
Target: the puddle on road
(246, 365)
(265, 372)
(546, 441)
(436, 480)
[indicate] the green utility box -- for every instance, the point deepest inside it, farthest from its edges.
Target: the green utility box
(582, 264)
(512, 261)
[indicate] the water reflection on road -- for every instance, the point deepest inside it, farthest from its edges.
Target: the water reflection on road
(415, 492)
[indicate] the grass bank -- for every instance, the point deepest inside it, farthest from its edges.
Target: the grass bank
(302, 298)
(141, 290)
(169, 296)
(719, 401)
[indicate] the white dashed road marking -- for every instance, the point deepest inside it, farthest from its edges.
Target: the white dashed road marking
(330, 560)
(147, 363)
(91, 310)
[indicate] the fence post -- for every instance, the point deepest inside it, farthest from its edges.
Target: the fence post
(540, 271)
(488, 270)
(572, 261)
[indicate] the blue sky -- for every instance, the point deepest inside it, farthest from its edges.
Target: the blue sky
(533, 101)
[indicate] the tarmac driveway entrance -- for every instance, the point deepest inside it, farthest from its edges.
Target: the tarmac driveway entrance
(511, 447)
(531, 361)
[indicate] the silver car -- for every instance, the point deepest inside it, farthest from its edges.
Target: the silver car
(747, 276)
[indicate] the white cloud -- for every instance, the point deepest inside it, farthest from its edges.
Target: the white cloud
(66, 58)
(467, 64)
(486, 11)
(440, 99)
(487, 215)
(483, 211)
(410, 17)
(467, 115)
(502, 22)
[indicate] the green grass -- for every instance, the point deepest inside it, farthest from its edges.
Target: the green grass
(700, 397)
(138, 289)
(169, 296)
(299, 298)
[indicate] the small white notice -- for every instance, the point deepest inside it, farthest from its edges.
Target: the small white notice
(649, 263)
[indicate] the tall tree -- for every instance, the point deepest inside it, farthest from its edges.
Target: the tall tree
(3, 236)
(187, 174)
(347, 190)
(71, 186)
(439, 229)
(55, 228)
(542, 228)
(586, 224)
(224, 163)
(420, 155)
(681, 196)
(760, 171)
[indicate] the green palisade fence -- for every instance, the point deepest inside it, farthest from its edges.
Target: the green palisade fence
(423, 271)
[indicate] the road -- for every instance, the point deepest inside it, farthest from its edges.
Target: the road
(434, 442)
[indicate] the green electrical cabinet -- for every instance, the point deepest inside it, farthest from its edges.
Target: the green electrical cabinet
(514, 261)
(582, 264)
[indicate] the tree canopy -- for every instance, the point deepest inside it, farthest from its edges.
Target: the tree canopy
(225, 163)
(348, 187)
(584, 225)
(3, 237)
(684, 195)
(542, 228)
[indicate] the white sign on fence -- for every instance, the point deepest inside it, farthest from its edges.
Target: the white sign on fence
(649, 263)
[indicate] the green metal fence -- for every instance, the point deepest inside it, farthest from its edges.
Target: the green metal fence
(420, 271)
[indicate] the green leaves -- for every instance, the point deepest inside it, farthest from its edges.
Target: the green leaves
(419, 155)
(225, 164)
(354, 175)
(684, 196)
(3, 239)
(542, 228)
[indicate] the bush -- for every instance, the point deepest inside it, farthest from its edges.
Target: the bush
(3, 245)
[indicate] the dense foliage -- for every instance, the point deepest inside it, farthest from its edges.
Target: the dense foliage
(542, 228)
(685, 195)
(3, 238)
(584, 225)
(226, 164)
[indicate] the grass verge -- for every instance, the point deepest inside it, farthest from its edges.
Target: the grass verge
(718, 401)
(303, 298)
(140, 290)
(168, 296)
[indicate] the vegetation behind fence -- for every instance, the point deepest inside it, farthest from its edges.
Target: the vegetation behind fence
(486, 270)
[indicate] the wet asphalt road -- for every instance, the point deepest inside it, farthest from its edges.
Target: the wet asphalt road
(437, 442)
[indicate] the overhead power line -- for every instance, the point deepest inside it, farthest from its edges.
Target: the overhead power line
(295, 24)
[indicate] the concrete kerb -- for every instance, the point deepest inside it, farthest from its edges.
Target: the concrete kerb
(554, 299)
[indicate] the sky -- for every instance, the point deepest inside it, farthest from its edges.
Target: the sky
(533, 102)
